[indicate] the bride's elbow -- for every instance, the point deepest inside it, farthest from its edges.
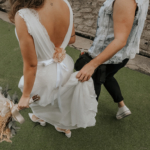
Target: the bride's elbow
(33, 66)
(30, 66)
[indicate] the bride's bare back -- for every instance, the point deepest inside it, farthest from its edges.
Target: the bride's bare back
(55, 16)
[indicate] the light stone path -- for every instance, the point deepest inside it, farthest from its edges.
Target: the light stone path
(4, 16)
(139, 63)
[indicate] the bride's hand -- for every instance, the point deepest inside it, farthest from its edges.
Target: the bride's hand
(23, 103)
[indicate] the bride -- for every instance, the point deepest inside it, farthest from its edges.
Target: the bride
(44, 28)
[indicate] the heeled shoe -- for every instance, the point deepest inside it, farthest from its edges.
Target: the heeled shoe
(42, 123)
(67, 134)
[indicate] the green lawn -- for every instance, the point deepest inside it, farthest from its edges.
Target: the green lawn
(131, 133)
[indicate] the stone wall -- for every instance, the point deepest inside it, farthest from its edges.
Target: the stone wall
(5, 6)
(85, 15)
(85, 20)
(145, 39)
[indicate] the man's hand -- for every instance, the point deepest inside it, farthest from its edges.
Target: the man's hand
(86, 72)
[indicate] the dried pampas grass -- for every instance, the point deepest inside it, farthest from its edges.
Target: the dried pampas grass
(8, 126)
(5, 132)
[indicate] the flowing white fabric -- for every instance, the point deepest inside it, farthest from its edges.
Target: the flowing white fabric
(55, 83)
(60, 66)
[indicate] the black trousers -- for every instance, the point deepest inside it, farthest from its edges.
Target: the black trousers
(109, 81)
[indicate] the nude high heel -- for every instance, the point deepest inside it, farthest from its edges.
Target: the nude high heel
(42, 123)
(67, 134)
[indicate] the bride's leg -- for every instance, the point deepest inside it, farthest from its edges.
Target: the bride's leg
(66, 131)
(36, 119)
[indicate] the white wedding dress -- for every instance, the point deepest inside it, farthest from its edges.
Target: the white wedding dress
(65, 102)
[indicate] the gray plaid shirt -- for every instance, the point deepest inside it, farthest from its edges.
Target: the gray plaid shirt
(105, 32)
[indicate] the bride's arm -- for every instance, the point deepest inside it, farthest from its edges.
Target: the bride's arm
(73, 36)
(29, 60)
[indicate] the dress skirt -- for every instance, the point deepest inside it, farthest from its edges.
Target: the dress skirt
(77, 100)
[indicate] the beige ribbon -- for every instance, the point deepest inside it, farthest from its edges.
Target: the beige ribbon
(6, 105)
(15, 113)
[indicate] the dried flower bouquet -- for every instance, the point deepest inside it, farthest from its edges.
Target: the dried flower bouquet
(9, 114)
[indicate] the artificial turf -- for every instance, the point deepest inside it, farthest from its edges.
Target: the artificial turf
(131, 133)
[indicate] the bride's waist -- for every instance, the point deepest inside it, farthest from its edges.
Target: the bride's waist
(45, 60)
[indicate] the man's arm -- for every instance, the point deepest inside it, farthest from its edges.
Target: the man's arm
(123, 17)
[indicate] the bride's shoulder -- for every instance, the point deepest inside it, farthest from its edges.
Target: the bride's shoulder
(21, 12)
(21, 15)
